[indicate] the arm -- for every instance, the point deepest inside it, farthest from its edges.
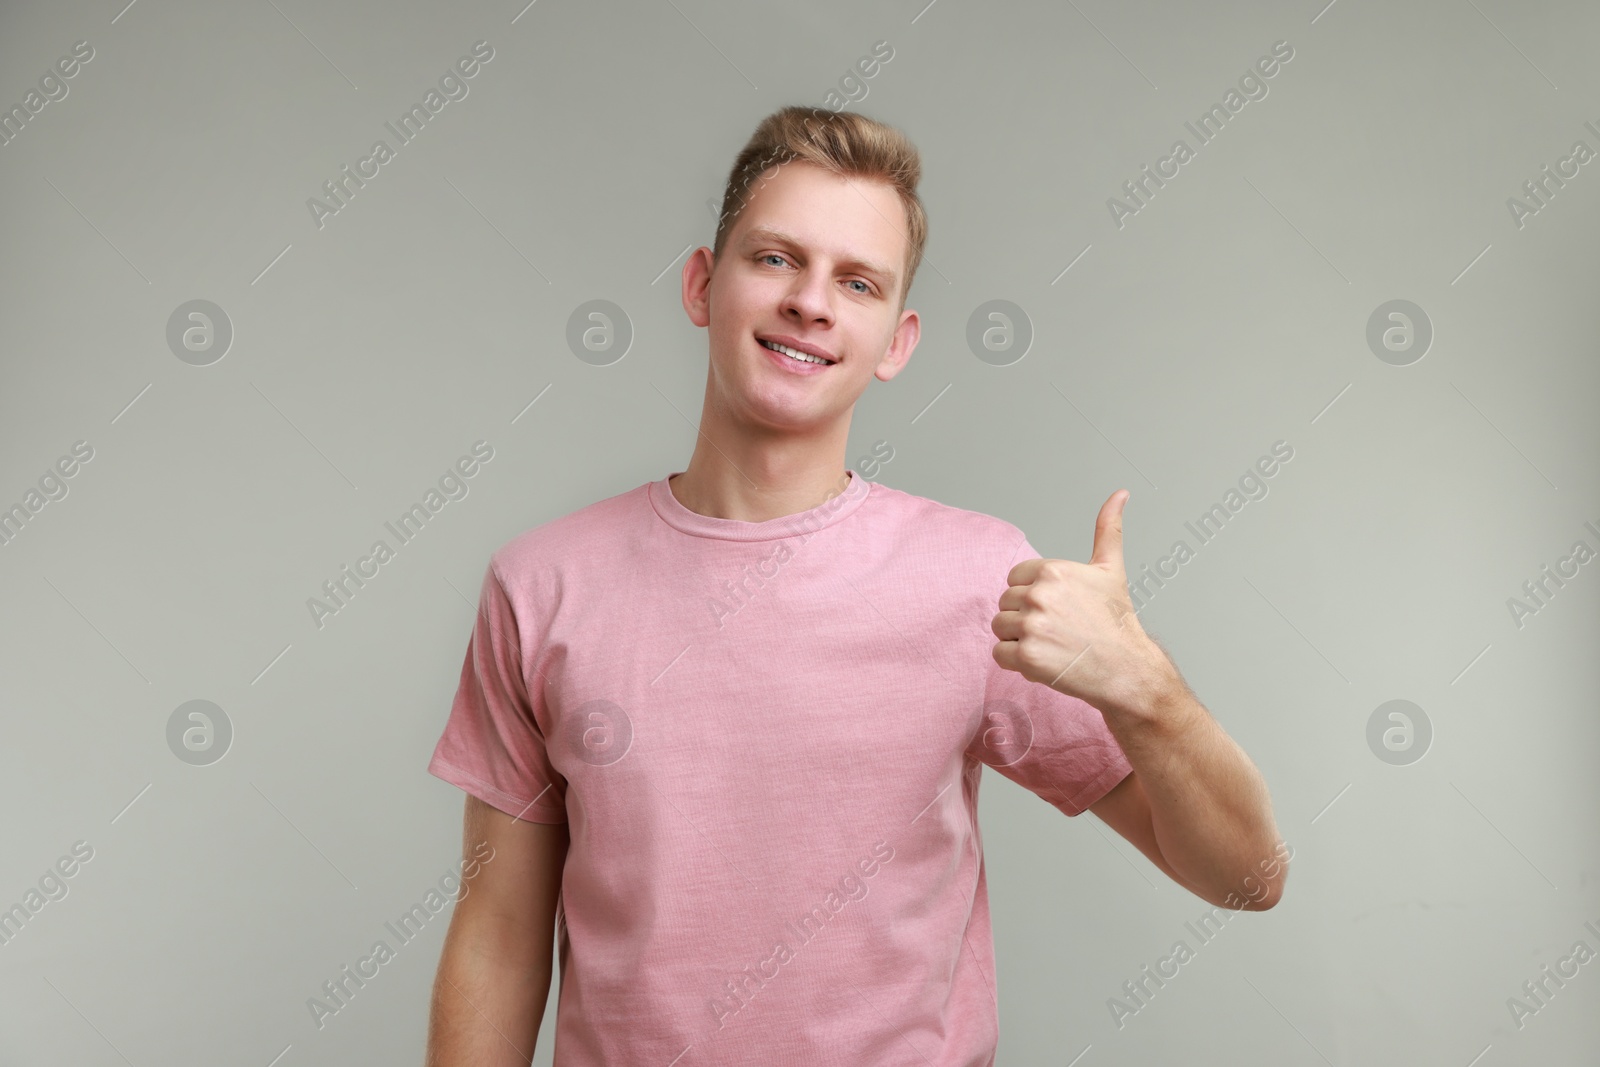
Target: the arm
(1195, 804)
(494, 970)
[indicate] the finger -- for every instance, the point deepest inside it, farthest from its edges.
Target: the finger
(1007, 625)
(1108, 530)
(1024, 572)
(1014, 597)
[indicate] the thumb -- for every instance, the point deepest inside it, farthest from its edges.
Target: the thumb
(1108, 530)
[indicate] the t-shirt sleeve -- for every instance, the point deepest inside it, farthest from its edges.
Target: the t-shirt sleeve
(492, 745)
(1055, 745)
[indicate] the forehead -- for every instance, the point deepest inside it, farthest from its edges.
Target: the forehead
(849, 219)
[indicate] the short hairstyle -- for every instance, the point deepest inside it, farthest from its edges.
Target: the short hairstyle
(843, 143)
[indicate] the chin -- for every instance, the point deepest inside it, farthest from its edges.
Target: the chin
(775, 414)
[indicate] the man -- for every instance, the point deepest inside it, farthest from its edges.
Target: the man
(725, 731)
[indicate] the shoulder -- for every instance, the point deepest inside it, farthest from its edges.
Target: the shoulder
(592, 531)
(980, 541)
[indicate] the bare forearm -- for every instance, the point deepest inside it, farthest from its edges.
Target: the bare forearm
(486, 1009)
(1072, 626)
(1209, 805)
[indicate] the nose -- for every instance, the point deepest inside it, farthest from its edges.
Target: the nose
(809, 299)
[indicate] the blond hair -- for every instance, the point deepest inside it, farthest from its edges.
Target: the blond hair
(842, 143)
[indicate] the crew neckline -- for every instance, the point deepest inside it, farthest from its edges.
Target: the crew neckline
(673, 512)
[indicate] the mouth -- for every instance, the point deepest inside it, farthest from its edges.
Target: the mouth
(808, 354)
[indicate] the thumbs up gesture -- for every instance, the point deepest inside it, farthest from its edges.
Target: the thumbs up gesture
(1071, 625)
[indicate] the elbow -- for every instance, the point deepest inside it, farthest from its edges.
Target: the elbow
(1266, 903)
(1264, 899)
(1254, 892)
(1268, 891)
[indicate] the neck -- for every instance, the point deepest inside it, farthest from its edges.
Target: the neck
(737, 472)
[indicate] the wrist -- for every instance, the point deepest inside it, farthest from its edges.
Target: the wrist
(1155, 697)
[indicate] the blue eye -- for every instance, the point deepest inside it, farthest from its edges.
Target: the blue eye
(866, 287)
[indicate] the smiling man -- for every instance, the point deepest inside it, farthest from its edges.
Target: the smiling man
(751, 835)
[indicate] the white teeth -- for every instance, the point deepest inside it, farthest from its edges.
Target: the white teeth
(792, 354)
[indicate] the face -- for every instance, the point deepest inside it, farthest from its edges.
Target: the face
(816, 261)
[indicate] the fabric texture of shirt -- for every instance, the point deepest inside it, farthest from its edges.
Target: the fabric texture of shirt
(766, 739)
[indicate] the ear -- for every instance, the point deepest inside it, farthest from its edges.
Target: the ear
(697, 286)
(901, 345)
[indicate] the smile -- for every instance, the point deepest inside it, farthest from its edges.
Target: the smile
(804, 357)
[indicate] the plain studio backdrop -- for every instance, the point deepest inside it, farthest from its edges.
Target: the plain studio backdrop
(1381, 256)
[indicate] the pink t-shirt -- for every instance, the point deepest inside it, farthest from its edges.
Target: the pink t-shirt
(767, 740)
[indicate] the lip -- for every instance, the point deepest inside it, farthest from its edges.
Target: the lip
(790, 342)
(792, 366)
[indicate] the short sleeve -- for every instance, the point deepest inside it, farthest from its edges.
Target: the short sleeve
(492, 745)
(1052, 744)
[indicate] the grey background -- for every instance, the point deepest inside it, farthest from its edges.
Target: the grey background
(1229, 313)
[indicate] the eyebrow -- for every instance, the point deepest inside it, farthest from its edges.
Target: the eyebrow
(765, 234)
